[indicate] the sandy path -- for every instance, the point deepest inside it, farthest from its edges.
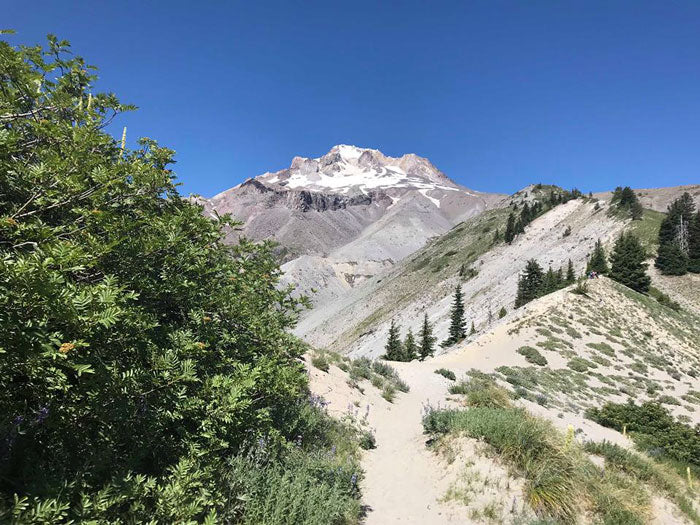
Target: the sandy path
(403, 479)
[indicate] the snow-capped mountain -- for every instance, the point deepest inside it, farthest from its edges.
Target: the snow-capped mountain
(349, 169)
(349, 214)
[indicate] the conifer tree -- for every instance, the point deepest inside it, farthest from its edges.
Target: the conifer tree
(627, 263)
(626, 199)
(502, 312)
(671, 260)
(674, 237)
(427, 341)
(519, 227)
(457, 323)
(525, 214)
(530, 283)
(472, 331)
(598, 262)
(570, 274)
(694, 244)
(410, 349)
(510, 229)
(393, 348)
(550, 283)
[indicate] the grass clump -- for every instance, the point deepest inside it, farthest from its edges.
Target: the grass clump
(560, 480)
(647, 471)
(321, 362)
(448, 374)
(389, 393)
(481, 392)
(532, 355)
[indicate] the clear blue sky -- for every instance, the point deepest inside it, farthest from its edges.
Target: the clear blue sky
(497, 94)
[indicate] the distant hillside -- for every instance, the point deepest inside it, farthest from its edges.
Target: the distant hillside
(658, 199)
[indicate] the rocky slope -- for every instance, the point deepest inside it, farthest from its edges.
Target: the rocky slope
(348, 215)
(656, 359)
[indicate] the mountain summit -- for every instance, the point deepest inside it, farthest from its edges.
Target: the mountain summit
(343, 217)
(349, 170)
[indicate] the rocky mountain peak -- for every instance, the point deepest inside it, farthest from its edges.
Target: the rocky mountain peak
(349, 169)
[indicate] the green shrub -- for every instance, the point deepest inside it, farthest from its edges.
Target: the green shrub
(367, 440)
(578, 364)
(653, 428)
(391, 375)
(361, 369)
(448, 374)
(667, 400)
(139, 353)
(306, 488)
(604, 348)
(532, 355)
(384, 370)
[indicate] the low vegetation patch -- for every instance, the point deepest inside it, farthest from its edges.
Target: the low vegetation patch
(674, 487)
(561, 482)
(448, 374)
(532, 355)
(653, 429)
(579, 364)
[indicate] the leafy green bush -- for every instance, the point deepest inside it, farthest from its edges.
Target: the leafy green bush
(139, 353)
(653, 429)
(532, 355)
(447, 374)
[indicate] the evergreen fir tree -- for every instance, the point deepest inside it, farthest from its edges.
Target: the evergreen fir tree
(694, 244)
(549, 284)
(472, 331)
(671, 260)
(393, 348)
(510, 229)
(427, 341)
(525, 214)
(410, 349)
(496, 236)
(625, 199)
(636, 210)
(627, 263)
(502, 312)
(598, 261)
(519, 227)
(673, 255)
(529, 283)
(457, 323)
(570, 274)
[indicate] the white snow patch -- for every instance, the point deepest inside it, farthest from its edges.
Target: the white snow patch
(425, 194)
